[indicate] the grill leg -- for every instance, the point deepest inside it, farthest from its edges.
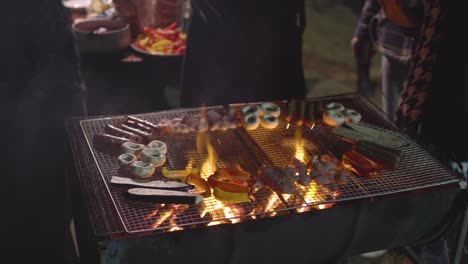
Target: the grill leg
(461, 238)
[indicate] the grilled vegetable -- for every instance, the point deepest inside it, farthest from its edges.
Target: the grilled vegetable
(195, 179)
(389, 157)
(230, 197)
(176, 174)
(361, 165)
(168, 185)
(164, 196)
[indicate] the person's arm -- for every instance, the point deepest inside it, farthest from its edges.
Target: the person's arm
(360, 42)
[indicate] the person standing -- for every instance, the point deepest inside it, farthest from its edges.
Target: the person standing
(391, 26)
(41, 86)
(243, 51)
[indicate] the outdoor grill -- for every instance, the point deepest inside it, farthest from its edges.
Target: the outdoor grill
(273, 227)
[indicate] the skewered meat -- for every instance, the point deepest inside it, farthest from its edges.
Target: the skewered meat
(112, 130)
(147, 137)
(303, 178)
(140, 126)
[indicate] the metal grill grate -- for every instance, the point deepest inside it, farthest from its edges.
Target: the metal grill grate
(417, 170)
(251, 149)
(139, 216)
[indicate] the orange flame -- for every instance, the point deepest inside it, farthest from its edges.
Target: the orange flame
(163, 216)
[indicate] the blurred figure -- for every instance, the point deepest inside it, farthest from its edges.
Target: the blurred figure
(392, 27)
(433, 105)
(41, 86)
(363, 53)
(243, 51)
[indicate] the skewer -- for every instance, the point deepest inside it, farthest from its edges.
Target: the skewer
(291, 110)
(301, 119)
(311, 116)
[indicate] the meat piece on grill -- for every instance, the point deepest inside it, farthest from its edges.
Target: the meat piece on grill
(303, 178)
(279, 179)
(108, 143)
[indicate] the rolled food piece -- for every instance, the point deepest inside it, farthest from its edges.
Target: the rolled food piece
(251, 121)
(271, 109)
(142, 169)
(337, 107)
(131, 147)
(153, 156)
(352, 116)
(251, 109)
(269, 121)
(159, 145)
(147, 137)
(125, 160)
(333, 118)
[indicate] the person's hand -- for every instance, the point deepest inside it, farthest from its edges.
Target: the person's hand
(362, 49)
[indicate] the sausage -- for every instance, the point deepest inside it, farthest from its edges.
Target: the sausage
(157, 129)
(112, 130)
(141, 121)
(147, 137)
(140, 126)
(106, 142)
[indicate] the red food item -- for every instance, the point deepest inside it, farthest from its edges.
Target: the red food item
(230, 180)
(361, 165)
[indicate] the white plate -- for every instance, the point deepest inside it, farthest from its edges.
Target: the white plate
(136, 48)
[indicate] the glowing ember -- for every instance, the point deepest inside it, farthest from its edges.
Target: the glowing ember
(214, 223)
(321, 206)
(154, 212)
(162, 217)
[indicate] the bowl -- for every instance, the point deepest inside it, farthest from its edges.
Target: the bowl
(101, 35)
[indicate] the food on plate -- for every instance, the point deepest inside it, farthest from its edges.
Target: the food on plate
(251, 121)
(159, 145)
(333, 118)
(112, 130)
(387, 156)
(175, 174)
(361, 165)
(125, 160)
(271, 109)
(337, 107)
(168, 40)
(230, 197)
(352, 116)
(132, 147)
(142, 169)
(158, 184)
(269, 121)
(279, 179)
(106, 142)
(153, 156)
(251, 109)
(164, 196)
(194, 178)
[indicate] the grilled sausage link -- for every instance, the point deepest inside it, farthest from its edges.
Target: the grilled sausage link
(112, 130)
(147, 137)
(106, 142)
(140, 126)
